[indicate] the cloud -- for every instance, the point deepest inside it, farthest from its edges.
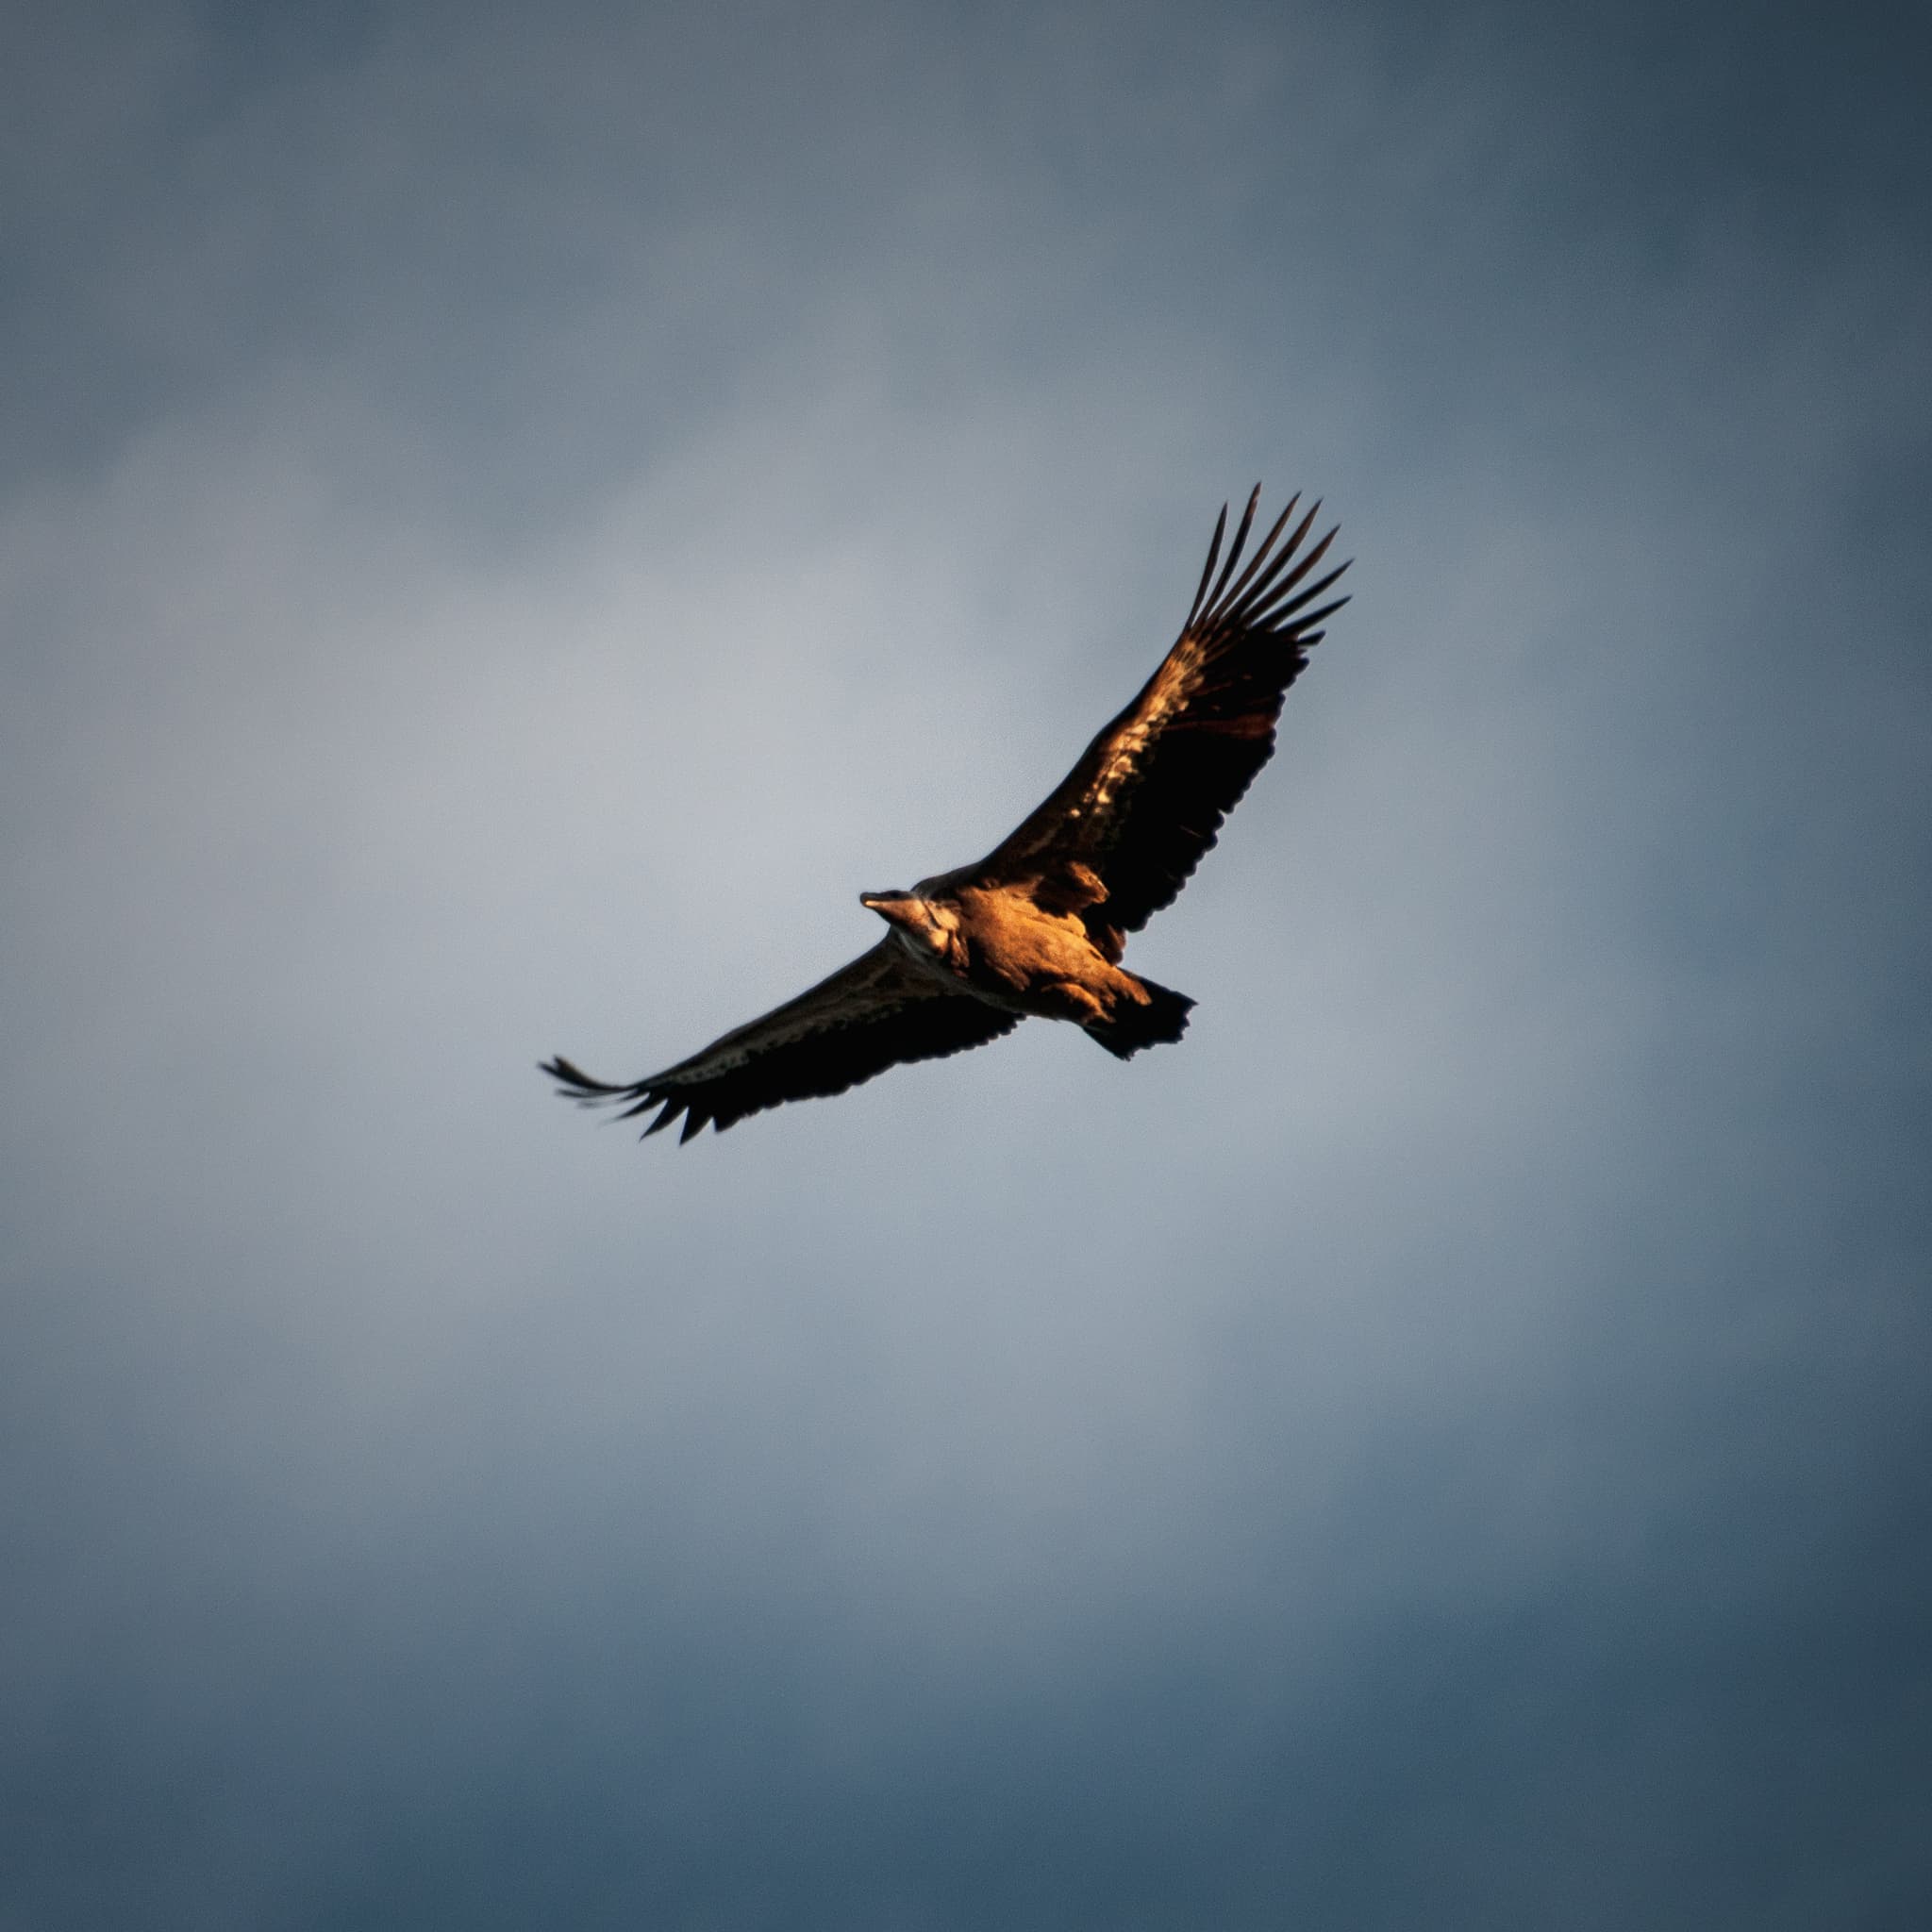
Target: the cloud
(520, 526)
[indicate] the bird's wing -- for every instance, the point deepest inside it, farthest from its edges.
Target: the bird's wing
(868, 1016)
(1149, 795)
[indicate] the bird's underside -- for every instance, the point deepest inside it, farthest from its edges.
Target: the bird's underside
(1038, 927)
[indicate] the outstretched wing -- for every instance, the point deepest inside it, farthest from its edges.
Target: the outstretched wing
(868, 1016)
(1150, 792)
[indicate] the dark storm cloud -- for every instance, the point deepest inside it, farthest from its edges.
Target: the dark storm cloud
(510, 524)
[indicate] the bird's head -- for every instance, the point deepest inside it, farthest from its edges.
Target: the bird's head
(918, 922)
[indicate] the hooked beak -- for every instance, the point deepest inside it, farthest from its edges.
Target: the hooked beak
(889, 905)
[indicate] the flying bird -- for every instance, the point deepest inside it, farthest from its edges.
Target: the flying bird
(1038, 927)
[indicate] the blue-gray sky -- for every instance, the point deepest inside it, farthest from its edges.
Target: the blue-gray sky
(511, 517)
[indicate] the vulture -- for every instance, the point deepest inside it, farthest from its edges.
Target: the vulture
(1038, 925)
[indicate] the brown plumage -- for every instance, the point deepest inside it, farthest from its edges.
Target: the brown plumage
(1038, 927)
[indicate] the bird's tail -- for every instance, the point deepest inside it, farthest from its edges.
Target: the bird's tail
(1159, 1023)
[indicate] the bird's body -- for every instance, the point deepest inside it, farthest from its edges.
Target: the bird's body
(1038, 927)
(1024, 957)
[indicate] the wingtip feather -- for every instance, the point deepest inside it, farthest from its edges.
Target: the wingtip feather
(573, 1083)
(1234, 552)
(1208, 568)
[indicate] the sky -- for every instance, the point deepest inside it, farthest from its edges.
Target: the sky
(511, 519)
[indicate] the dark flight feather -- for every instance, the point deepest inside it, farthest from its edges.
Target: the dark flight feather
(872, 1013)
(1150, 792)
